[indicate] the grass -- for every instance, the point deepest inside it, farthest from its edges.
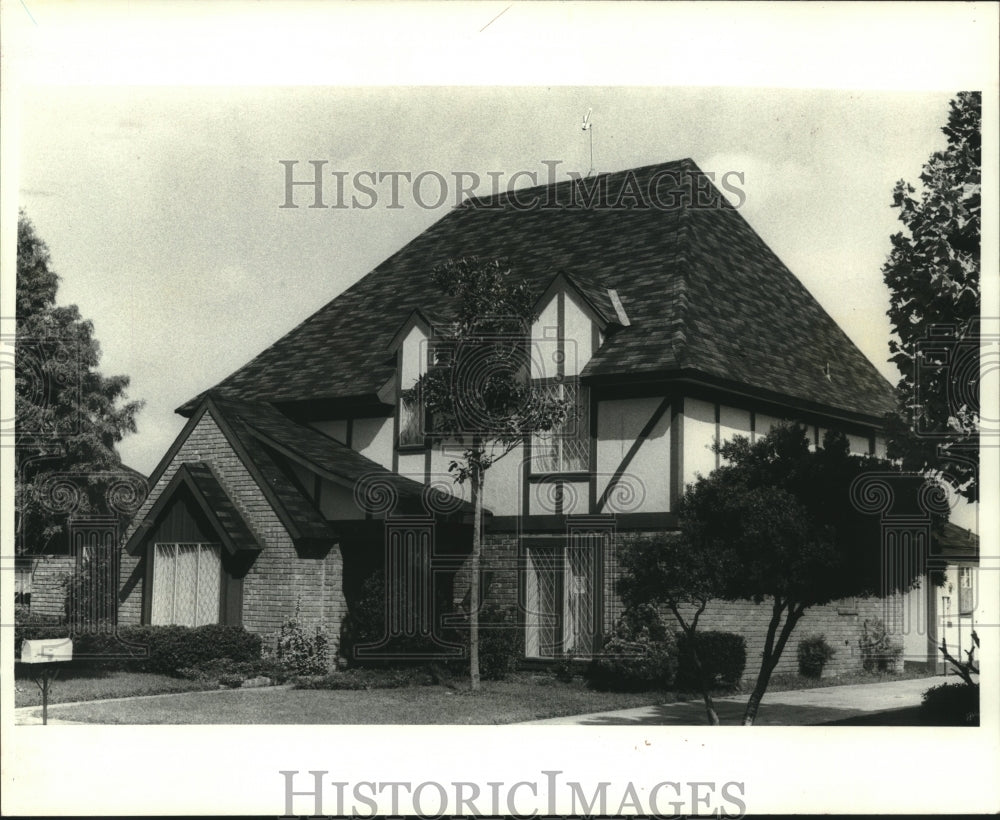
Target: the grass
(520, 698)
(96, 684)
(789, 681)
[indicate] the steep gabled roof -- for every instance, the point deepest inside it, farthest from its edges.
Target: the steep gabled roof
(705, 296)
(198, 479)
(262, 427)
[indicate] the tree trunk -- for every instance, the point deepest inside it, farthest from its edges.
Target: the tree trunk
(772, 654)
(477, 520)
(706, 694)
(691, 630)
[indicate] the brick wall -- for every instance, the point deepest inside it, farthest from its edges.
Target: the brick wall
(48, 595)
(279, 578)
(840, 622)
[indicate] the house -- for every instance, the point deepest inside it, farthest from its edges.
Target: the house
(89, 519)
(661, 314)
(943, 606)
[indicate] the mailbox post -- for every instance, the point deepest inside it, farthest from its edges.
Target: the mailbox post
(44, 657)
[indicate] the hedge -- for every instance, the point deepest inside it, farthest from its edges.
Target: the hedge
(723, 657)
(162, 649)
(951, 704)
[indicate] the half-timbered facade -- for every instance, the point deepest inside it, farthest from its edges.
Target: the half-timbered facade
(661, 315)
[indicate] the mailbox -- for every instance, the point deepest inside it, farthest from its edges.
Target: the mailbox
(47, 651)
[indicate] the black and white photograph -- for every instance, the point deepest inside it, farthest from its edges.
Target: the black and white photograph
(481, 409)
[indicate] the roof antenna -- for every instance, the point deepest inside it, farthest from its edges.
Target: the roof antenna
(589, 126)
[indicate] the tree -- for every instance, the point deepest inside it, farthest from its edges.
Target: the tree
(69, 417)
(667, 571)
(480, 390)
(933, 276)
(777, 522)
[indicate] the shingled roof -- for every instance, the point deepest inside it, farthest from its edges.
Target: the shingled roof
(705, 296)
(262, 429)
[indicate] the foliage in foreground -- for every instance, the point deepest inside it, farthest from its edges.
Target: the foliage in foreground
(639, 655)
(951, 704)
(779, 522)
(723, 658)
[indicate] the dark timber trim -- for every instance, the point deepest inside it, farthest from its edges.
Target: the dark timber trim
(647, 429)
(676, 451)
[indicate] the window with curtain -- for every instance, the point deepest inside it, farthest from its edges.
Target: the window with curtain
(187, 582)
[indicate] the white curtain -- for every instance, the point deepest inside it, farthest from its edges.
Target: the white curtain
(186, 584)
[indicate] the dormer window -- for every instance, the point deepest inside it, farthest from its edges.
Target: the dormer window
(566, 448)
(411, 426)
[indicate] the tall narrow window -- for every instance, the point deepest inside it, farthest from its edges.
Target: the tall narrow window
(411, 432)
(565, 448)
(966, 591)
(187, 582)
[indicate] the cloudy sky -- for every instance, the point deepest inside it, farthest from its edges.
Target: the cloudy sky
(161, 206)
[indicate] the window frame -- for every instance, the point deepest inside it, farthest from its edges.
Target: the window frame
(220, 612)
(582, 434)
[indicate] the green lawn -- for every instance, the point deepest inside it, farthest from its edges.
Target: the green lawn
(96, 684)
(523, 697)
(790, 681)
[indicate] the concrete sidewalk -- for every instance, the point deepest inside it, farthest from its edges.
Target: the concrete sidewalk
(800, 707)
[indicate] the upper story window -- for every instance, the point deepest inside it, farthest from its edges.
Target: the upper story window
(566, 448)
(411, 426)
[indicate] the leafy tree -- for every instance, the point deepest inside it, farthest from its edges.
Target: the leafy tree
(69, 417)
(777, 522)
(480, 391)
(933, 275)
(665, 570)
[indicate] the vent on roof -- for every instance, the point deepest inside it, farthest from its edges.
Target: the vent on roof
(616, 303)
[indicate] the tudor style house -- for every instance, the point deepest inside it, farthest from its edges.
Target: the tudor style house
(665, 319)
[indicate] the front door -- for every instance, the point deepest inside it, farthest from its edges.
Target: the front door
(560, 597)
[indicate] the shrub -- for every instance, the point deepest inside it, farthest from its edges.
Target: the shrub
(36, 627)
(951, 704)
(90, 592)
(501, 643)
(162, 649)
(878, 651)
(814, 652)
(723, 657)
(228, 672)
(640, 654)
(565, 669)
(365, 624)
(364, 678)
(172, 648)
(298, 653)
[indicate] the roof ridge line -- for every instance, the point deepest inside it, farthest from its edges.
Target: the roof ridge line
(679, 336)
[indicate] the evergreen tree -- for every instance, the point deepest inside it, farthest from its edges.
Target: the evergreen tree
(69, 417)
